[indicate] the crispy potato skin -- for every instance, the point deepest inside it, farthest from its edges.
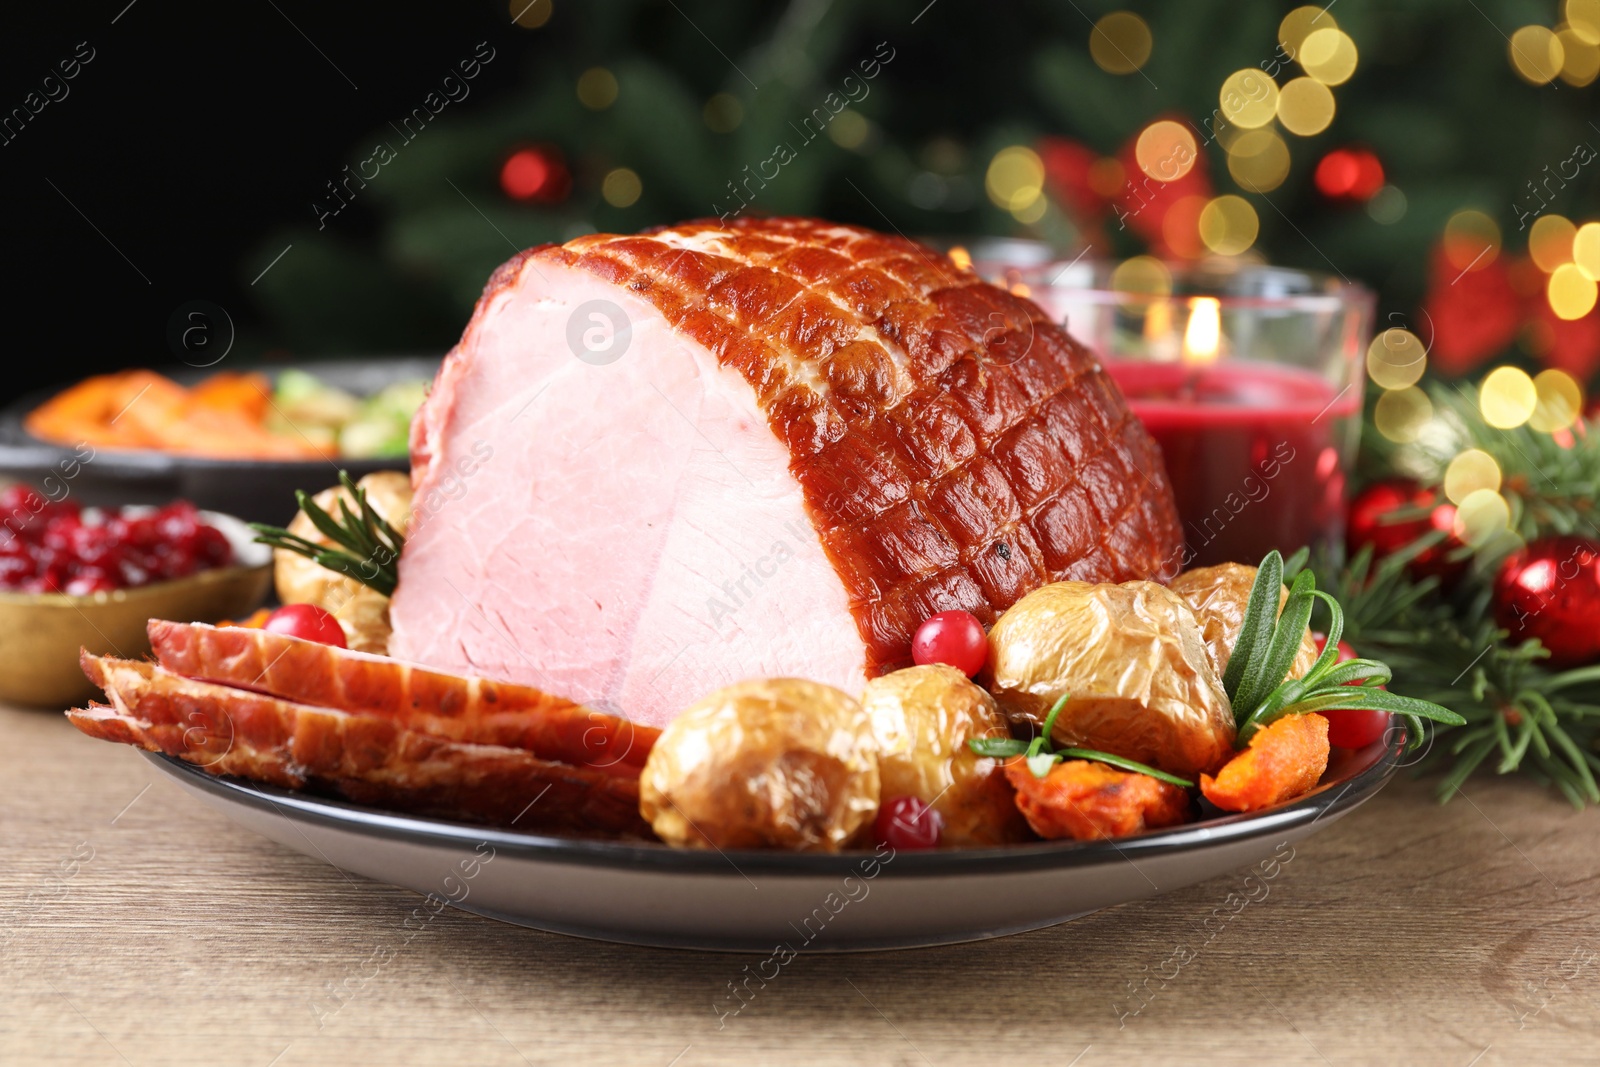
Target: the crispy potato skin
(1218, 596)
(1284, 759)
(1131, 656)
(362, 611)
(778, 763)
(1088, 801)
(923, 718)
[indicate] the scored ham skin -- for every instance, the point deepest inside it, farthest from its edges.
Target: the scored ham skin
(367, 759)
(815, 437)
(474, 710)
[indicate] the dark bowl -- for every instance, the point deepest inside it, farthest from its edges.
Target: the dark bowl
(253, 490)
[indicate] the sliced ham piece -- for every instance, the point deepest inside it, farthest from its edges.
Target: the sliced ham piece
(369, 759)
(662, 463)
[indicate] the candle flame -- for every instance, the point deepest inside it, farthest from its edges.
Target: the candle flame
(1203, 336)
(961, 258)
(1158, 321)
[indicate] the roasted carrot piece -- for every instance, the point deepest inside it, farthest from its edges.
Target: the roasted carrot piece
(1087, 801)
(1285, 759)
(244, 392)
(88, 412)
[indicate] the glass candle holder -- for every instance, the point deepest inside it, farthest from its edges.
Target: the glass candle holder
(1249, 377)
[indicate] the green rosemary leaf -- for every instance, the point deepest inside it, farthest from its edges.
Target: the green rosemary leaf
(1286, 637)
(1384, 700)
(1123, 764)
(321, 519)
(365, 547)
(1260, 619)
(1040, 765)
(1050, 719)
(997, 747)
(1329, 657)
(1357, 670)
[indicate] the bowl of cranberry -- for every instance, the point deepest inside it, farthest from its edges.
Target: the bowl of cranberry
(73, 577)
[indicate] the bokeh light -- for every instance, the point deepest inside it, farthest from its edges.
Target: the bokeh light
(1550, 241)
(1143, 275)
(1180, 227)
(1469, 472)
(530, 14)
(1328, 55)
(1015, 179)
(1396, 358)
(1349, 174)
(535, 174)
(621, 187)
(1481, 517)
(723, 113)
(1583, 16)
(1120, 43)
(1586, 250)
(1387, 206)
(1305, 107)
(597, 88)
(1249, 98)
(1560, 401)
(1300, 22)
(1571, 292)
(1536, 54)
(1471, 240)
(1402, 414)
(1165, 150)
(1507, 398)
(1580, 60)
(850, 129)
(1259, 161)
(1228, 225)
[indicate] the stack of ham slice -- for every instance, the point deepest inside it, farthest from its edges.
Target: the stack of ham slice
(373, 730)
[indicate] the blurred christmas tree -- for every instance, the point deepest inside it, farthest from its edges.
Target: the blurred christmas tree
(1414, 146)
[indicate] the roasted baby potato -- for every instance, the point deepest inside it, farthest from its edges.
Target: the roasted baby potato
(1088, 801)
(361, 610)
(1132, 662)
(776, 763)
(923, 718)
(1218, 596)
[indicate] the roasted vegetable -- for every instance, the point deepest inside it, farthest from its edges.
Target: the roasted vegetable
(923, 718)
(778, 763)
(1284, 759)
(1086, 801)
(1218, 596)
(1132, 662)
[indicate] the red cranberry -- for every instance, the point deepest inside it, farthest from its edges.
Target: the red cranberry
(308, 622)
(906, 823)
(952, 637)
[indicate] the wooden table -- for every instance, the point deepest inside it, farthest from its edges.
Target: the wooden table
(140, 928)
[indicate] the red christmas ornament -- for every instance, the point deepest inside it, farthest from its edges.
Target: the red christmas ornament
(1371, 522)
(1551, 590)
(537, 173)
(1349, 174)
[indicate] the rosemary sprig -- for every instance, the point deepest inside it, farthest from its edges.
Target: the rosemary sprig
(369, 548)
(1042, 756)
(1260, 688)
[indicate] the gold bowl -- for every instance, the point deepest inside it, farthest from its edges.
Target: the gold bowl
(40, 633)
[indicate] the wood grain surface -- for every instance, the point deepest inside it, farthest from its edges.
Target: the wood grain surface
(137, 927)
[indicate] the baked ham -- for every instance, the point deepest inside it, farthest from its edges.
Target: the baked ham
(658, 464)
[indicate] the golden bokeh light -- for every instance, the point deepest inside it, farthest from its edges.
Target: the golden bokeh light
(1120, 43)
(1482, 516)
(1388, 206)
(1165, 150)
(1228, 225)
(1031, 212)
(1180, 227)
(1402, 414)
(1550, 241)
(1015, 178)
(1328, 55)
(1536, 54)
(1305, 107)
(1580, 60)
(1583, 16)
(1300, 22)
(849, 129)
(1471, 240)
(1259, 161)
(621, 187)
(1571, 292)
(1507, 398)
(1249, 98)
(1396, 358)
(530, 14)
(960, 257)
(1586, 250)
(723, 113)
(1471, 471)
(1145, 275)
(1560, 401)
(597, 88)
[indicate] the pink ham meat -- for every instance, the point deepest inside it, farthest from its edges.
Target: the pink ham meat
(368, 759)
(658, 464)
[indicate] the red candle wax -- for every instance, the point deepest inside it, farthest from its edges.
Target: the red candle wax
(1253, 452)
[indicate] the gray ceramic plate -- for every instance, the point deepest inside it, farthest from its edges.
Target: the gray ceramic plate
(768, 901)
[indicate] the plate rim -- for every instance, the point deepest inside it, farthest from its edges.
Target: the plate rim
(1337, 797)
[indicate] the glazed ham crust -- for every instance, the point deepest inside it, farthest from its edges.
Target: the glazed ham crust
(954, 447)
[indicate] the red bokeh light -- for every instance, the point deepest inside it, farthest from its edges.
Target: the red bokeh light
(534, 174)
(1349, 174)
